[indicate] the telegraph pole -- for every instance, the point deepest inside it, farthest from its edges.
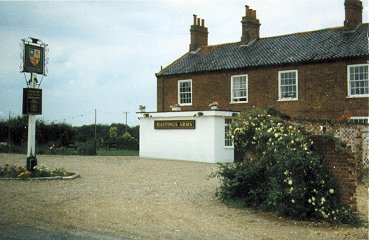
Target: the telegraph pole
(9, 129)
(95, 132)
(126, 113)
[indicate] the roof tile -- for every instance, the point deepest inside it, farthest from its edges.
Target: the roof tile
(332, 43)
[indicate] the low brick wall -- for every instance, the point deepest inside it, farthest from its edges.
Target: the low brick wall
(341, 164)
(355, 136)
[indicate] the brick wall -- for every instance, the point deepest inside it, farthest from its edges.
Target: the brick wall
(355, 136)
(342, 166)
(322, 90)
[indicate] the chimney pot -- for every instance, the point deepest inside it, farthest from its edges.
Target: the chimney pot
(194, 19)
(202, 22)
(247, 10)
(254, 14)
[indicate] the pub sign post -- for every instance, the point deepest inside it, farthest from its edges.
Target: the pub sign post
(34, 62)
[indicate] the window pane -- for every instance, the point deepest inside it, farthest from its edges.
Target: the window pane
(239, 88)
(227, 139)
(358, 80)
(288, 84)
(185, 92)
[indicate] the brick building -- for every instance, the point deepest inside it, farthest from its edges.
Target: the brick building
(321, 74)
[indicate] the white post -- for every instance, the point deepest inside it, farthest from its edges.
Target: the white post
(31, 141)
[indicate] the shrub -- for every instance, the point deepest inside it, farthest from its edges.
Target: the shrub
(126, 141)
(9, 148)
(88, 148)
(279, 172)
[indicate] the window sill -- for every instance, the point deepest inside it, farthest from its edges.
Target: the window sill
(229, 147)
(185, 104)
(238, 102)
(288, 100)
(358, 96)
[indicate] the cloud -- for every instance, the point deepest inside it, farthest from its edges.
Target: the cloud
(104, 54)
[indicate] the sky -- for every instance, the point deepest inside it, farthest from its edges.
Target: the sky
(104, 55)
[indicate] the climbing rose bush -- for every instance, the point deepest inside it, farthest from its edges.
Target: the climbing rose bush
(280, 173)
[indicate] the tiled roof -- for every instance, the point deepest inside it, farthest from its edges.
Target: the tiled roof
(326, 44)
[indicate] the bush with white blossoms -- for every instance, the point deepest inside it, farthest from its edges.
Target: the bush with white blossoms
(283, 176)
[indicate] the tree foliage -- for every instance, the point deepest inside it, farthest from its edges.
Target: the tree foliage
(63, 134)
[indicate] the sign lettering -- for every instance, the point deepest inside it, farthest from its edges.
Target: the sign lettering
(32, 101)
(175, 124)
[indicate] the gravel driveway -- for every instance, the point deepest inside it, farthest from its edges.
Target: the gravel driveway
(133, 198)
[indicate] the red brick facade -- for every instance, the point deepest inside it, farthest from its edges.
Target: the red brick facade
(322, 90)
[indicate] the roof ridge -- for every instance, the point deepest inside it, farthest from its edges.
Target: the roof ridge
(312, 31)
(304, 32)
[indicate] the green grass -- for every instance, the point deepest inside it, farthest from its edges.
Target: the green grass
(116, 152)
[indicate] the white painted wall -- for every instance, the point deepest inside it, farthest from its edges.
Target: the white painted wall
(205, 143)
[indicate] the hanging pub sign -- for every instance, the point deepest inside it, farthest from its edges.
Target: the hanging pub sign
(175, 124)
(34, 59)
(32, 101)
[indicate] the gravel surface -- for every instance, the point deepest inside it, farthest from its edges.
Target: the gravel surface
(133, 198)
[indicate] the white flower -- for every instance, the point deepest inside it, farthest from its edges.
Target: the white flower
(293, 201)
(331, 191)
(322, 199)
(289, 182)
(309, 200)
(313, 198)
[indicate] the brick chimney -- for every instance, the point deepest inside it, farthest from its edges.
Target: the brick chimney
(353, 14)
(199, 34)
(250, 26)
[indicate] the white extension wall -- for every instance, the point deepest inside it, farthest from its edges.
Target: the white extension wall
(205, 143)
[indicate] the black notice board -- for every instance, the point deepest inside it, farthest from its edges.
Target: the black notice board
(32, 101)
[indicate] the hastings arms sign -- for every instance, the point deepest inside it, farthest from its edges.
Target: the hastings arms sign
(175, 124)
